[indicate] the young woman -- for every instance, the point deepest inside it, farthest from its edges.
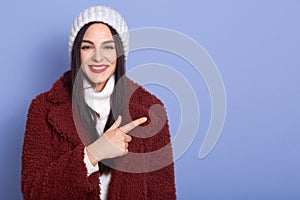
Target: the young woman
(93, 134)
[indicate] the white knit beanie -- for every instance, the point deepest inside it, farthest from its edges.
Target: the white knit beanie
(101, 14)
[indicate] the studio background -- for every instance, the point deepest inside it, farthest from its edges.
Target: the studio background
(255, 45)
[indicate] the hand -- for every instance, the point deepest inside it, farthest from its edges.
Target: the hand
(114, 142)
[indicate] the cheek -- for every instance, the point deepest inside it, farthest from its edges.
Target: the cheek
(114, 66)
(82, 57)
(85, 56)
(111, 56)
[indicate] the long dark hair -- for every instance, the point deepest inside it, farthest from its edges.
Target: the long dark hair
(74, 80)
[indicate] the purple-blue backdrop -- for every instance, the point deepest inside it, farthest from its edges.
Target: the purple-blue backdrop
(255, 45)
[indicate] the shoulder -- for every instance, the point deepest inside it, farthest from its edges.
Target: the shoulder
(144, 104)
(153, 134)
(58, 93)
(139, 95)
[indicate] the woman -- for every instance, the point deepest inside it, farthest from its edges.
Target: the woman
(74, 147)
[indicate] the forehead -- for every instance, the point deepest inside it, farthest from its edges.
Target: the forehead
(98, 32)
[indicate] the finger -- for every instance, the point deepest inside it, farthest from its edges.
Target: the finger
(127, 138)
(123, 135)
(128, 127)
(126, 151)
(116, 124)
(126, 145)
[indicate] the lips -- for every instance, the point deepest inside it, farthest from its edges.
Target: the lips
(98, 68)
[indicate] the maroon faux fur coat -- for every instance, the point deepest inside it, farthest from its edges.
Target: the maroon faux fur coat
(52, 157)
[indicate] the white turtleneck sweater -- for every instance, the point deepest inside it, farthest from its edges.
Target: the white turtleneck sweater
(100, 103)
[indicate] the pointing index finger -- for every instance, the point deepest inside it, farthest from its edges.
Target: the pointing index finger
(128, 127)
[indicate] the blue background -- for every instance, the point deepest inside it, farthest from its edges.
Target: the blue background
(255, 45)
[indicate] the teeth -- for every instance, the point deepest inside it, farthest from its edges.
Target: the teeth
(96, 67)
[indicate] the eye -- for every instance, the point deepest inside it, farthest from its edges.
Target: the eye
(108, 47)
(86, 47)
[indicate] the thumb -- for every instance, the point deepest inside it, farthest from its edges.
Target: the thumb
(116, 124)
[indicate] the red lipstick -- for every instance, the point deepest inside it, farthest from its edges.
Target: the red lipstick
(98, 68)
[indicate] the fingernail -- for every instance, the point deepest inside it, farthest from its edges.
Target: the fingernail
(145, 119)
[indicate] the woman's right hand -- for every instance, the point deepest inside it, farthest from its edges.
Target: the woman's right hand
(114, 142)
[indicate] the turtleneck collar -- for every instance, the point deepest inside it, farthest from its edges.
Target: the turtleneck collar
(99, 101)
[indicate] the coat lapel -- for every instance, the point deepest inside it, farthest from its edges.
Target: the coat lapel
(61, 119)
(60, 115)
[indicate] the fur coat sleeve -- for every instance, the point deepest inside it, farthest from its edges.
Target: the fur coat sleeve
(52, 156)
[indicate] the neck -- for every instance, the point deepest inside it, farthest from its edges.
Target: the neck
(99, 101)
(99, 87)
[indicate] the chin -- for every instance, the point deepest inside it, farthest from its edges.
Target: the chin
(102, 80)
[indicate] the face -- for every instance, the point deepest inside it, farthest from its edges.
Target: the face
(98, 55)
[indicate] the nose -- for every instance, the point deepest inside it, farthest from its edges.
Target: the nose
(97, 55)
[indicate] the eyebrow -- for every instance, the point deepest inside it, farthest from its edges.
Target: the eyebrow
(105, 42)
(87, 41)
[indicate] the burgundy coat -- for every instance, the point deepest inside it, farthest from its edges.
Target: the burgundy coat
(53, 154)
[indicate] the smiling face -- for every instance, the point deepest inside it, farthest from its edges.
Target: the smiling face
(98, 55)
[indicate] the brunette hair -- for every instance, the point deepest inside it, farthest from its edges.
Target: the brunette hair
(74, 80)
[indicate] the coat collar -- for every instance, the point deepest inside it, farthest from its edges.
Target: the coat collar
(59, 93)
(60, 115)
